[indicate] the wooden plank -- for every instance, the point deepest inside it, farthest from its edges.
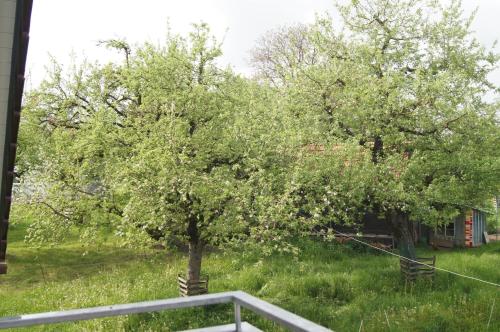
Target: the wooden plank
(368, 236)
(199, 284)
(191, 292)
(190, 287)
(486, 237)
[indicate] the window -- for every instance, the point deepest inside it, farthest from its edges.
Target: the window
(446, 230)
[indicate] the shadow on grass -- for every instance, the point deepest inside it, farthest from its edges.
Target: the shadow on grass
(64, 263)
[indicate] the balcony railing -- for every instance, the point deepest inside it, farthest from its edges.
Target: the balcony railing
(238, 298)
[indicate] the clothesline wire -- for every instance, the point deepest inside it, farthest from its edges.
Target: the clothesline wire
(415, 261)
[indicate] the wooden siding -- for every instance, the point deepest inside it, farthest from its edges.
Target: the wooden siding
(7, 19)
(15, 18)
(459, 239)
(370, 224)
(468, 231)
(478, 227)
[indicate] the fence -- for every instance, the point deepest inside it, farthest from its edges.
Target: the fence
(238, 298)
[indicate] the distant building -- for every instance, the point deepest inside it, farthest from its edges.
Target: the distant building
(467, 230)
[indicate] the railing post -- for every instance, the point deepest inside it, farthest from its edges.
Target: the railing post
(237, 316)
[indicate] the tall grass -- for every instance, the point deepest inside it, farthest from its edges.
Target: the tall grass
(333, 285)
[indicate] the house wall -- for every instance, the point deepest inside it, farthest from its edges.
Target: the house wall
(370, 224)
(459, 240)
(460, 234)
(377, 229)
(478, 227)
(441, 241)
(14, 35)
(468, 229)
(7, 18)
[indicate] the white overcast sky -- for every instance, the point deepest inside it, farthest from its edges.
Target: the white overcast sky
(60, 27)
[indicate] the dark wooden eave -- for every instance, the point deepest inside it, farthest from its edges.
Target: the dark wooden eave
(16, 85)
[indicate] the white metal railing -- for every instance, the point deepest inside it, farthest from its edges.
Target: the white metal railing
(238, 298)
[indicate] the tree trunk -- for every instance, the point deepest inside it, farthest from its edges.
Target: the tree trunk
(403, 233)
(195, 251)
(195, 255)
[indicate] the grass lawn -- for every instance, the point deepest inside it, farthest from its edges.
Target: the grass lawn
(334, 285)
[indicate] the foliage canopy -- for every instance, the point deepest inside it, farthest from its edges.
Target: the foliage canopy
(386, 115)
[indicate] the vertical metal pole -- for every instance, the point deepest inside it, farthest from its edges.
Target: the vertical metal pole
(237, 317)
